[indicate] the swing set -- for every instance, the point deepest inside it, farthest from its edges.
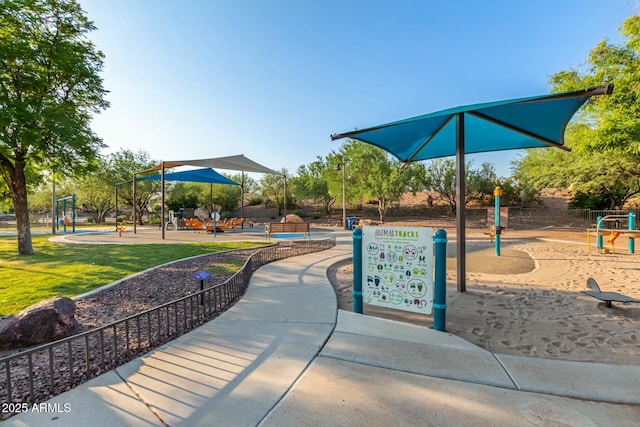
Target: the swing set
(68, 218)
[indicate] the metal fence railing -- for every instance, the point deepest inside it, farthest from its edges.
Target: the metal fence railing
(37, 374)
(523, 218)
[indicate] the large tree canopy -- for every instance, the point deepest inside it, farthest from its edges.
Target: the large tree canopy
(439, 175)
(49, 87)
(375, 175)
(122, 165)
(605, 134)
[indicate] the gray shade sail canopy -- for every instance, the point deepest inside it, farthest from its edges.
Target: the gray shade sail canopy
(538, 121)
(237, 163)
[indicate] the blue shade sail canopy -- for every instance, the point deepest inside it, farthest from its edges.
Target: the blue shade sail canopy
(538, 121)
(206, 175)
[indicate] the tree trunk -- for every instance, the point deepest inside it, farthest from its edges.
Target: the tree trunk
(19, 193)
(381, 210)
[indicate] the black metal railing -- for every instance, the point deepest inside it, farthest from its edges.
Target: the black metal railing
(37, 374)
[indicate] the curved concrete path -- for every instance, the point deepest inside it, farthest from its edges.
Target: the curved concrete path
(284, 355)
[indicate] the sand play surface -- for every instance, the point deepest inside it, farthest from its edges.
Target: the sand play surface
(528, 301)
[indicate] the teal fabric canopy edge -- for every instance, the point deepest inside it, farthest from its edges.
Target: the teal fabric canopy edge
(536, 121)
(205, 175)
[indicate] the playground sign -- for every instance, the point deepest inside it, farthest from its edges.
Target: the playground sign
(397, 267)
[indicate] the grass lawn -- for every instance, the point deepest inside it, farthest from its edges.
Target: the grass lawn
(72, 269)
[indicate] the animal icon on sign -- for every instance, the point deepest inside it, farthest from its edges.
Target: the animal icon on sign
(410, 252)
(417, 288)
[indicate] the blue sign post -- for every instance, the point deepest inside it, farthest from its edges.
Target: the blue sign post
(440, 281)
(632, 226)
(357, 270)
(497, 193)
(201, 276)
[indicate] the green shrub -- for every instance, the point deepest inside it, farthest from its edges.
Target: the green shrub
(255, 201)
(227, 214)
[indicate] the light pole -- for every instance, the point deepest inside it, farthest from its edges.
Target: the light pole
(344, 196)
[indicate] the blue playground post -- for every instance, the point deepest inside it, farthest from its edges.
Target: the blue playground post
(64, 213)
(357, 270)
(73, 213)
(497, 193)
(440, 281)
(632, 226)
(600, 243)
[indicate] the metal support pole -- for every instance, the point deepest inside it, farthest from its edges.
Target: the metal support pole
(54, 208)
(57, 218)
(357, 270)
(241, 199)
(73, 213)
(285, 198)
(497, 193)
(344, 198)
(135, 218)
(64, 214)
(440, 281)
(598, 224)
(632, 226)
(116, 191)
(461, 241)
(162, 200)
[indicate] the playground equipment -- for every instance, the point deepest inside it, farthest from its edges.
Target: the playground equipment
(495, 229)
(65, 221)
(121, 228)
(614, 233)
(607, 297)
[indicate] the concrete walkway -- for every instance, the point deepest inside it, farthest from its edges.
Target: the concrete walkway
(284, 355)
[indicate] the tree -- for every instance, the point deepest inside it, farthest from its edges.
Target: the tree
(605, 134)
(40, 202)
(312, 183)
(612, 178)
(95, 192)
(374, 174)
(49, 87)
(123, 165)
(184, 195)
(272, 189)
(439, 175)
(227, 197)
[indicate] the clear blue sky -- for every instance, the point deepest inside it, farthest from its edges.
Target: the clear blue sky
(273, 79)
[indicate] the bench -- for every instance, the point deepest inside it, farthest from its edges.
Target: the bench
(607, 297)
(287, 227)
